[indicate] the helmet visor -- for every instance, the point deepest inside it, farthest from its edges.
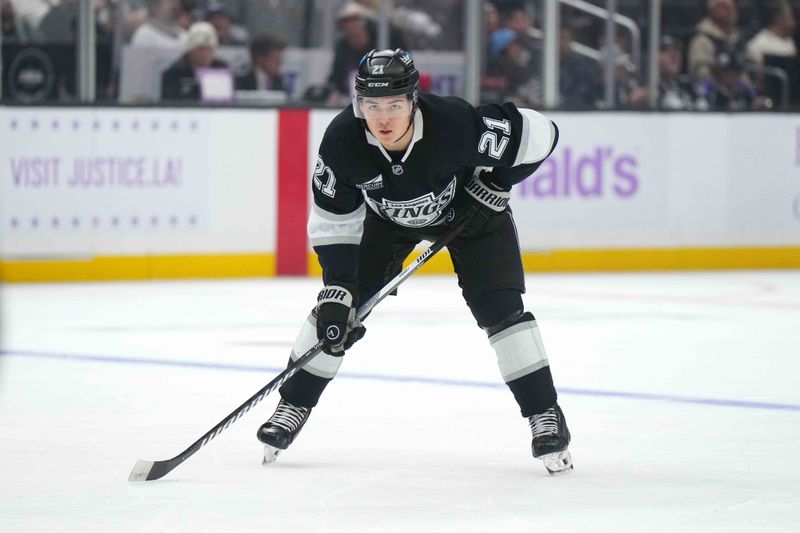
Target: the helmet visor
(378, 107)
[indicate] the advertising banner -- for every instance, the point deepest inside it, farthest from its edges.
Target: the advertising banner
(765, 174)
(622, 190)
(86, 182)
(664, 181)
(121, 173)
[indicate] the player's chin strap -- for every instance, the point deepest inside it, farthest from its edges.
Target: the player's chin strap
(410, 123)
(414, 108)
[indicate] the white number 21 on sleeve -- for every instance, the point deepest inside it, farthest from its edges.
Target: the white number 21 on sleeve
(489, 139)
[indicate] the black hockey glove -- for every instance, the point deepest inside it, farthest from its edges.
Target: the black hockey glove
(479, 204)
(337, 325)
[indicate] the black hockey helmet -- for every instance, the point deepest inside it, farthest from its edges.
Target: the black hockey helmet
(386, 73)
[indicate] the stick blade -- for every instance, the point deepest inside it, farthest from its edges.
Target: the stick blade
(141, 470)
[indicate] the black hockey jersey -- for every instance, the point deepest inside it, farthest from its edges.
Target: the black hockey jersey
(413, 189)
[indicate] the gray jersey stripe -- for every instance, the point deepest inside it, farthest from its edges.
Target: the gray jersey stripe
(500, 335)
(525, 371)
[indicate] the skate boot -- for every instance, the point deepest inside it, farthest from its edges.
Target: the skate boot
(280, 430)
(550, 440)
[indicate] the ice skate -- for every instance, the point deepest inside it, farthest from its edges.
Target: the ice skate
(280, 430)
(550, 440)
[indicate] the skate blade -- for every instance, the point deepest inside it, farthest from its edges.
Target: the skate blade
(558, 464)
(270, 454)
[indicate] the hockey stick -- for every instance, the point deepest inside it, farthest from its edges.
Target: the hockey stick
(149, 470)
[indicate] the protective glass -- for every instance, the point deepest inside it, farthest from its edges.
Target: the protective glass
(378, 107)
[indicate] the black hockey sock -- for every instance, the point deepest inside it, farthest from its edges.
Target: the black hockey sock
(303, 389)
(534, 392)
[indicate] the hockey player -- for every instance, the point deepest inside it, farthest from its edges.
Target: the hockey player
(398, 167)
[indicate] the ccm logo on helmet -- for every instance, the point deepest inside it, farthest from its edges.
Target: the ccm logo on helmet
(378, 84)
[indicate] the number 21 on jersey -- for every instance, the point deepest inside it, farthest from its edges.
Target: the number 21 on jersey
(322, 172)
(489, 140)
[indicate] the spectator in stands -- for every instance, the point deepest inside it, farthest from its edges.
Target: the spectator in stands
(189, 12)
(630, 92)
(282, 18)
(518, 20)
(59, 28)
(60, 24)
(228, 33)
(161, 29)
(133, 13)
(30, 12)
(14, 29)
(266, 55)
(427, 24)
(510, 70)
(180, 81)
(357, 26)
(729, 89)
(492, 23)
(449, 14)
(717, 32)
(776, 39)
(417, 27)
(774, 46)
(492, 18)
(675, 90)
(579, 80)
(356, 40)
(493, 85)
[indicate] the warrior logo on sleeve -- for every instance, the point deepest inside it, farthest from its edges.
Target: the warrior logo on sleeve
(416, 213)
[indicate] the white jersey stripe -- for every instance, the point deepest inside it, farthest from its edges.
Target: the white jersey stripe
(538, 136)
(326, 228)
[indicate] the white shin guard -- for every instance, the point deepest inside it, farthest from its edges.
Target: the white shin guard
(519, 350)
(322, 365)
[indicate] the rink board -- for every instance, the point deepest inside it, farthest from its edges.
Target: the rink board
(179, 193)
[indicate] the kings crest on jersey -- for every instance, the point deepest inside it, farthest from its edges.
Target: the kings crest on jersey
(417, 212)
(413, 188)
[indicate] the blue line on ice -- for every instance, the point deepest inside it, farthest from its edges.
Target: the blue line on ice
(743, 404)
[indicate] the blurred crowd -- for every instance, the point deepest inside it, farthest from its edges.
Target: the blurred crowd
(720, 64)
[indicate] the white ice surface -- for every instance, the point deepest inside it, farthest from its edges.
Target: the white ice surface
(417, 433)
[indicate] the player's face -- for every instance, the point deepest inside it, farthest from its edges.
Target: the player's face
(387, 116)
